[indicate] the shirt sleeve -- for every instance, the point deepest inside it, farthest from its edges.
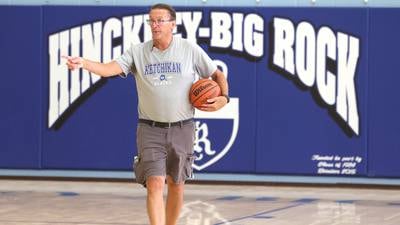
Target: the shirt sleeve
(204, 65)
(125, 61)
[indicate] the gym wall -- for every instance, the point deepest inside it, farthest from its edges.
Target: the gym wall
(313, 90)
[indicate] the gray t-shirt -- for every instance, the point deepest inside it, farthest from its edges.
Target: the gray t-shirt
(164, 78)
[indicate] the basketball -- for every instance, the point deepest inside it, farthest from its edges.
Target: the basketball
(202, 90)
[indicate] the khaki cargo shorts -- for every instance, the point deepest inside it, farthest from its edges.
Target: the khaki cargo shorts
(164, 151)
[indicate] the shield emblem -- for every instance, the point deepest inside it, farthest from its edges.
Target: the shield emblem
(201, 213)
(208, 148)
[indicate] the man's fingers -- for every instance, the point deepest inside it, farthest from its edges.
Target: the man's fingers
(211, 100)
(74, 67)
(67, 57)
(206, 107)
(212, 104)
(73, 62)
(71, 59)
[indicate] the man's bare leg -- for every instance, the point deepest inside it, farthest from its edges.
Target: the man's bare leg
(155, 201)
(174, 201)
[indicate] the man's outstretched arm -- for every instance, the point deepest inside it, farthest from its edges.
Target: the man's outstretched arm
(102, 69)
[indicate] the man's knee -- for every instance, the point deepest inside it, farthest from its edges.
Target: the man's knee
(155, 184)
(172, 186)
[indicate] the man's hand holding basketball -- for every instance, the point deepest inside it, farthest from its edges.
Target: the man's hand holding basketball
(214, 104)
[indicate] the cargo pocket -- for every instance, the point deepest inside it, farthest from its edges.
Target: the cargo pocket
(137, 168)
(188, 167)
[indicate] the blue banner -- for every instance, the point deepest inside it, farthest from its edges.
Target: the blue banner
(311, 93)
(383, 94)
(20, 89)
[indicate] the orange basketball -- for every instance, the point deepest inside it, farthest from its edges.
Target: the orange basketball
(202, 90)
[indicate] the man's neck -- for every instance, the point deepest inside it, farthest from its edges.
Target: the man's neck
(162, 44)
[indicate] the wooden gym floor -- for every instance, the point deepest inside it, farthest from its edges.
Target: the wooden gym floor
(37, 202)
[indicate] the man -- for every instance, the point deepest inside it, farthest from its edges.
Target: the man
(164, 69)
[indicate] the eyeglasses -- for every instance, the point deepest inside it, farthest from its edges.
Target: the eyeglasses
(158, 21)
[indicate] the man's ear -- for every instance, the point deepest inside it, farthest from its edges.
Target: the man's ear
(173, 25)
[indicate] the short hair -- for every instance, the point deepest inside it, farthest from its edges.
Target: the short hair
(170, 9)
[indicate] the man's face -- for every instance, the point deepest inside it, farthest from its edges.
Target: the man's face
(161, 24)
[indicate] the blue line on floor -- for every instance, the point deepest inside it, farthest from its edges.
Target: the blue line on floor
(68, 194)
(346, 201)
(263, 217)
(394, 203)
(267, 199)
(305, 200)
(229, 198)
